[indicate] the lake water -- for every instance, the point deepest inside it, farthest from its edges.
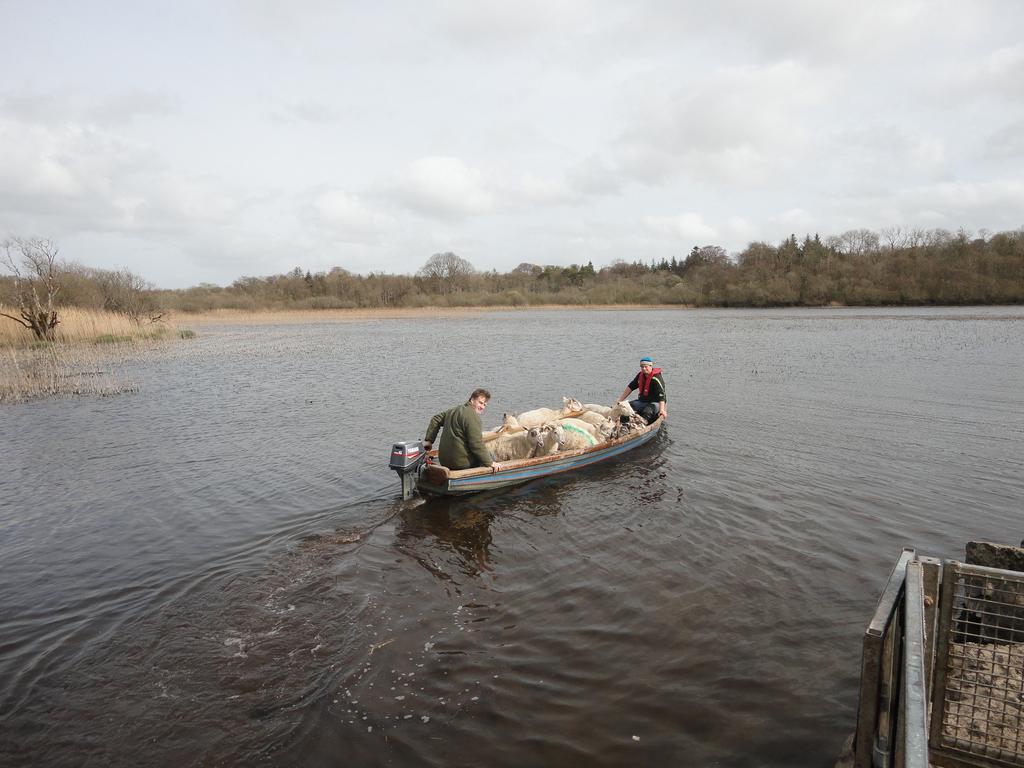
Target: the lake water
(218, 570)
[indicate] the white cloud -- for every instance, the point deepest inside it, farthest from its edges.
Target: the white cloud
(179, 202)
(739, 229)
(80, 183)
(594, 176)
(819, 33)
(928, 154)
(534, 189)
(348, 218)
(687, 226)
(1003, 73)
(873, 159)
(31, 168)
(737, 125)
(993, 205)
(1007, 143)
(126, 106)
(488, 25)
(961, 198)
(370, 136)
(61, 107)
(796, 219)
(1007, 62)
(445, 187)
(989, 75)
(69, 173)
(308, 111)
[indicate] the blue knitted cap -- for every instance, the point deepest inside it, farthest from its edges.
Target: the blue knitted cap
(646, 360)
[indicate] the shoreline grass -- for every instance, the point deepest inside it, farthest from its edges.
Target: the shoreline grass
(84, 326)
(299, 316)
(86, 357)
(296, 316)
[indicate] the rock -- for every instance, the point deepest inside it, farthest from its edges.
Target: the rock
(995, 555)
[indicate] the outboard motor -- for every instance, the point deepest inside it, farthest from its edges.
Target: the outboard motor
(406, 460)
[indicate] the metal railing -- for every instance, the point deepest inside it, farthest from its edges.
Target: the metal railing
(879, 677)
(914, 710)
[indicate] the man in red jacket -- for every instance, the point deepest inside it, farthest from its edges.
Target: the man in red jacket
(651, 401)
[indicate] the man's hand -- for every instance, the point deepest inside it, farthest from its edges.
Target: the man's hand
(495, 467)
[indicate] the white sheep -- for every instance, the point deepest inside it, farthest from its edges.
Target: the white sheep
(509, 424)
(511, 447)
(603, 410)
(492, 434)
(606, 430)
(592, 417)
(577, 434)
(625, 419)
(621, 408)
(601, 430)
(547, 438)
(537, 441)
(540, 416)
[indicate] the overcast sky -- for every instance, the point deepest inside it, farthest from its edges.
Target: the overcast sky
(202, 141)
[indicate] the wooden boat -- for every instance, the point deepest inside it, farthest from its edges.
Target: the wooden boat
(437, 480)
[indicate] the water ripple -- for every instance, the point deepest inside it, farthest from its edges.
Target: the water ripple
(216, 570)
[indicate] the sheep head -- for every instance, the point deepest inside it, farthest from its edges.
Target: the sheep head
(546, 439)
(509, 423)
(622, 408)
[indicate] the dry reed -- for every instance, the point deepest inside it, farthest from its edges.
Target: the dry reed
(85, 357)
(79, 325)
(59, 371)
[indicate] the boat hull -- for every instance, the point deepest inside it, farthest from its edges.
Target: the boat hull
(435, 480)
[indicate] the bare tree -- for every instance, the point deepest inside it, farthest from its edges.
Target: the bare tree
(125, 292)
(446, 270)
(855, 242)
(33, 263)
(706, 255)
(526, 268)
(896, 237)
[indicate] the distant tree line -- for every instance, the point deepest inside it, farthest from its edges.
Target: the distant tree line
(858, 267)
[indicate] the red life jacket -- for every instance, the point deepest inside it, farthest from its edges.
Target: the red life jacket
(644, 382)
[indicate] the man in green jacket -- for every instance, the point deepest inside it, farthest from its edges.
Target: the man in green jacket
(462, 442)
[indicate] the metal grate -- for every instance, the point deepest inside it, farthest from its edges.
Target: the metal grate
(980, 665)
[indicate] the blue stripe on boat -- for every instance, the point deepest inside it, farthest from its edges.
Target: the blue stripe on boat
(553, 468)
